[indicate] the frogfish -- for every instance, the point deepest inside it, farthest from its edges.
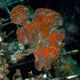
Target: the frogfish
(41, 33)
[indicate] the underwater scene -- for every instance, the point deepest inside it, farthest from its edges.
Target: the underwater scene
(39, 39)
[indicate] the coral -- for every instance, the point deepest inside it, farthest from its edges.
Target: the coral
(41, 33)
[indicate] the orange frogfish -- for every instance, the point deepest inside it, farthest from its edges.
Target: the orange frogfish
(41, 33)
